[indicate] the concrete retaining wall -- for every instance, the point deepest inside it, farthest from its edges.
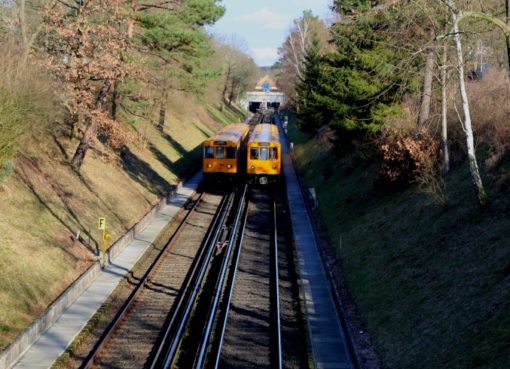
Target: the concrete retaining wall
(15, 350)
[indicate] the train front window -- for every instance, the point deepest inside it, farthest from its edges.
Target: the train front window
(264, 153)
(273, 153)
(254, 154)
(209, 152)
(231, 152)
(220, 152)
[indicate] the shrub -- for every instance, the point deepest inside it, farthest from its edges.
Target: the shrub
(26, 100)
(407, 158)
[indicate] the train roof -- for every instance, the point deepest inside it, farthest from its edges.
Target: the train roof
(232, 133)
(265, 133)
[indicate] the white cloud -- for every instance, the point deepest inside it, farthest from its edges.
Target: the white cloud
(265, 56)
(266, 18)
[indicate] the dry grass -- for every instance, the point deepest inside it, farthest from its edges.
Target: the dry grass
(44, 203)
(26, 102)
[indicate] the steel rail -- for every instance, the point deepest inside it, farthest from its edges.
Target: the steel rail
(238, 229)
(187, 300)
(276, 295)
(89, 360)
(230, 292)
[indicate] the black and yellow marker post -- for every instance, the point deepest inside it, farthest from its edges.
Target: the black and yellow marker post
(101, 225)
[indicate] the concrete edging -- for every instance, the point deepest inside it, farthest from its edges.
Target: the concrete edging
(12, 353)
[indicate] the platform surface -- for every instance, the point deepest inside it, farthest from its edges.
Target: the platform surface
(326, 336)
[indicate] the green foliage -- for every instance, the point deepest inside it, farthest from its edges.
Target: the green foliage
(346, 7)
(355, 87)
(179, 45)
(16, 110)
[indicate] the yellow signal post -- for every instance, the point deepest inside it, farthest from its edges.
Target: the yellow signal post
(101, 225)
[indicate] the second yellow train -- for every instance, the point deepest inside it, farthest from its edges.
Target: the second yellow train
(234, 153)
(264, 155)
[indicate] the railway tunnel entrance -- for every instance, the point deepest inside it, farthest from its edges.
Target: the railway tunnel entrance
(266, 95)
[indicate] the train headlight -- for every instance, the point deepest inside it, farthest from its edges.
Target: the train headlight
(229, 166)
(253, 167)
(209, 165)
(274, 166)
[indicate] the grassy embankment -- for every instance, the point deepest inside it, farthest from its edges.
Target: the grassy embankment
(432, 284)
(44, 203)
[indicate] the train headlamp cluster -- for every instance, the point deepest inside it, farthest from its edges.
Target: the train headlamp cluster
(209, 165)
(229, 166)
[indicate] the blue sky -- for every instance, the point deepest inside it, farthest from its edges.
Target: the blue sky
(263, 25)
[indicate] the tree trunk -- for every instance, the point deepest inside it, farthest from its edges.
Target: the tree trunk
(90, 130)
(115, 100)
(444, 112)
(427, 86)
(507, 13)
(473, 165)
(227, 80)
(83, 147)
(231, 93)
(162, 111)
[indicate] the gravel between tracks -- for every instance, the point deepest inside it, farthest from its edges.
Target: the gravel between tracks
(248, 338)
(132, 343)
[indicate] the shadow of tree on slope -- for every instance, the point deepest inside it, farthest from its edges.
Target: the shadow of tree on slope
(25, 178)
(142, 172)
(183, 167)
(176, 145)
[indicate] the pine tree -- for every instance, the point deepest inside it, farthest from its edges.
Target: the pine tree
(178, 46)
(310, 112)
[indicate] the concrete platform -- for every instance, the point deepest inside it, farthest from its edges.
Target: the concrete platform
(329, 348)
(43, 353)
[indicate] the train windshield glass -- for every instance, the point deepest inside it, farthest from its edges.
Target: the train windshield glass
(220, 152)
(273, 153)
(231, 152)
(208, 152)
(264, 153)
(254, 154)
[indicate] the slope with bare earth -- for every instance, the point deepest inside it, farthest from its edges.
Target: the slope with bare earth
(44, 203)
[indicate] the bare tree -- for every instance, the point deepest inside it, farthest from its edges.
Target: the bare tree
(444, 111)
(473, 164)
(507, 37)
(427, 83)
(293, 51)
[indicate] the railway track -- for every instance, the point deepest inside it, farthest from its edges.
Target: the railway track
(250, 333)
(129, 340)
(233, 320)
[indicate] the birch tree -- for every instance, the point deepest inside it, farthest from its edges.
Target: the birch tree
(293, 52)
(457, 16)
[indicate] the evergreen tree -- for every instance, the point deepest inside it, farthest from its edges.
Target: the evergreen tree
(310, 112)
(178, 46)
(177, 40)
(355, 87)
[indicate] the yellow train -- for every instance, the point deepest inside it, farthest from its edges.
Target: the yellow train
(264, 154)
(224, 153)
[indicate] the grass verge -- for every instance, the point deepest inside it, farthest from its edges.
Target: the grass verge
(431, 283)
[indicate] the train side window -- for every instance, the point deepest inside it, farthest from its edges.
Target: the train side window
(209, 152)
(254, 154)
(220, 152)
(273, 153)
(231, 152)
(264, 151)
